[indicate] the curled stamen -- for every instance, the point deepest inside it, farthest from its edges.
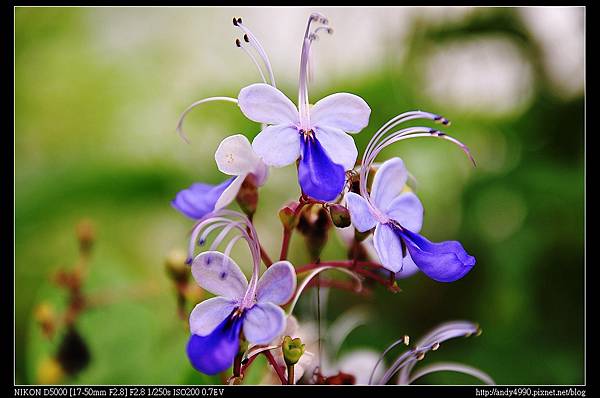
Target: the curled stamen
(223, 234)
(309, 37)
(328, 29)
(238, 43)
(253, 41)
(208, 230)
(430, 342)
(404, 340)
(452, 367)
(192, 106)
(382, 138)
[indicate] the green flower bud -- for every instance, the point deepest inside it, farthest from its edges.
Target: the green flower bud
(292, 350)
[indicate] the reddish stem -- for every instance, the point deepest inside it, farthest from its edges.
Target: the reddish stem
(342, 285)
(355, 267)
(277, 368)
(265, 257)
(247, 364)
(287, 232)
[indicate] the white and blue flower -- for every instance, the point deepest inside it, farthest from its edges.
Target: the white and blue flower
(234, 157)
(253, 308)
(397, 215)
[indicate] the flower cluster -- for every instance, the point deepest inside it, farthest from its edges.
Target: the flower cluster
(247, 318)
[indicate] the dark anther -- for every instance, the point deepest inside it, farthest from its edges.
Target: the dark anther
(238, 43)
(235, 22)
(442, 120)
(246, 39)
(239, 20)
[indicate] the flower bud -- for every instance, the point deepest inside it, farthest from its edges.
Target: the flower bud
(292, 349)
(247, 196)
(339, 215)
(288, 217)
(314, 224)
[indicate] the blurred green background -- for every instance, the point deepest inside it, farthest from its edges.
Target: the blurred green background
(98, 95)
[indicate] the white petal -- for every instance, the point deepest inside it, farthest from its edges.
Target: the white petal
(261, 172)
(388, 182)
(235, 156)
(340, 147)
(360, 213)
(360, 363)
(278, 145)
(230, 192)
(344, 111)
(263, 322)
(407, 210)
(277, 284)
(207, 315)
(265, 104)
(219, 274)
(388, 247)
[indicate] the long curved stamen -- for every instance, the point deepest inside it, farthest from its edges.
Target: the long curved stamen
(309, 37)
(239, 44)
(253, 41)
(314, 273)
(208, 230)
(192, 106)
(452, 367)
(404, 340)
(223, 234)
(399, 119)
(382, 139)
(230, 245)
(200, 225)
(430, 342)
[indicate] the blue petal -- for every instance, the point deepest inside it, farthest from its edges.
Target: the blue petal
(215, 352)
(199, 199)
(444, 262)
(319, 177)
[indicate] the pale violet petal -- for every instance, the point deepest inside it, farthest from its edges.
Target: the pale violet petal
(263, 322)
(409, 268)
(339, 146)
(388, 247)
(219, 274)
(344, 111)
(388, 182)
(207, 315)
(277, 284)
(230, 192)
(265, 104)
(360, 213)
(278, 145)
(407, 210)
(261, 172)
(235, 156)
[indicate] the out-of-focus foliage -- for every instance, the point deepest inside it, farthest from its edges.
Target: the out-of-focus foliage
(95, 138)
